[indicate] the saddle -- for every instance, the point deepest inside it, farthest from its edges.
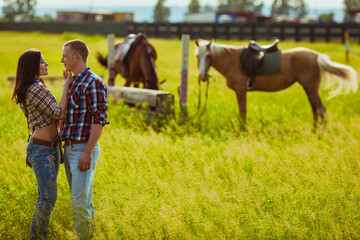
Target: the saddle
(253, 57)
(124, 52)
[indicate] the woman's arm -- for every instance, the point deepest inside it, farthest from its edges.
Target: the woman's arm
(64, 95)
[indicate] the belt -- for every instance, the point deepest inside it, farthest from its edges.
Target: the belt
(70, 142)
(43, 142)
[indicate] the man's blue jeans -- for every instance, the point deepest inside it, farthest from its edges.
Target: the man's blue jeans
(45, 162)
(81, 187)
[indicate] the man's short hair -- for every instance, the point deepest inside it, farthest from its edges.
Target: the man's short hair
(78, 46)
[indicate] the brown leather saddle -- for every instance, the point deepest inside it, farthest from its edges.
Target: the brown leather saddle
(123, 49)
(253, 57)
(124, 52)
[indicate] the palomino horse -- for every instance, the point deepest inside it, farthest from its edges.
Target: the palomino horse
(301, 65)
(136, 65)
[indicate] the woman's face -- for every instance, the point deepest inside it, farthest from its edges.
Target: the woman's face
(43, 67)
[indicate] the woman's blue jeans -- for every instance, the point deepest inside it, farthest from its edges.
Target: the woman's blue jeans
(45, 163)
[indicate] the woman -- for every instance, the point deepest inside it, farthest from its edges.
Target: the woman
(43, 114)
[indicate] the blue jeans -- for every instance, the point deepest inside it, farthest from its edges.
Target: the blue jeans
(81, 188)
(45, 162)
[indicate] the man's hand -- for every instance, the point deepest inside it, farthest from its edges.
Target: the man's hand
(85, 161)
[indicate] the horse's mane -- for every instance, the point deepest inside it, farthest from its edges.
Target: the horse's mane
(216, 48)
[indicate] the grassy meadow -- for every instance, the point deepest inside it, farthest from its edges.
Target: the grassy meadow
(206, 179)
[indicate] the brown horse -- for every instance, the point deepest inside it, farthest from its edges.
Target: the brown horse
(137, 66)
(300, 65)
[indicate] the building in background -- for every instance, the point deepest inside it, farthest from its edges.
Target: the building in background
(226, 17)
(98, 16)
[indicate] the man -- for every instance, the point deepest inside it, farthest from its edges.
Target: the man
(86, 115)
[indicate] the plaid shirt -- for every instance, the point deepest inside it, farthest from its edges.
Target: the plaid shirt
(86, 105)
(42, 108)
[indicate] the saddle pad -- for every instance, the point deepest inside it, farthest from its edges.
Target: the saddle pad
(121, 52)
(270, 64)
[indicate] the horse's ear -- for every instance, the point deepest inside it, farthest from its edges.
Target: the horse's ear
(197, 42)
(210, 42)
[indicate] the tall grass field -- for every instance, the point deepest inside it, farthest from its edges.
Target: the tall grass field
(207, 178)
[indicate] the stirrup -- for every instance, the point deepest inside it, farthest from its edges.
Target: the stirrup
(250, 84)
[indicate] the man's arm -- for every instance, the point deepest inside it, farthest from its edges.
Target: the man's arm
(86, 158)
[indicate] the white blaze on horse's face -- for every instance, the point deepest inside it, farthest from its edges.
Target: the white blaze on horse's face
(204, 61)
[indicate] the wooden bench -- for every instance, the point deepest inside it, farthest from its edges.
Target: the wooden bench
(159, 103)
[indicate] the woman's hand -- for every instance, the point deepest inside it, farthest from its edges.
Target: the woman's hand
(68, 77)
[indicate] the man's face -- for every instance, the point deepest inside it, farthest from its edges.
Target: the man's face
(68, 59)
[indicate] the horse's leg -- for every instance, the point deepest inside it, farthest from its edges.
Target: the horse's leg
(136, 84)
(128, 82)
(134, 76)
(241, 98)
(317, 106)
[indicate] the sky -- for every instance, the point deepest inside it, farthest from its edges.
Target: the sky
(119, 3)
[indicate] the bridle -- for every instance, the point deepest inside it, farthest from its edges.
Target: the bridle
(200, 111)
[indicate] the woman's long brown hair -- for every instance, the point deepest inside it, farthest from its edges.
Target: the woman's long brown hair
(26, 73)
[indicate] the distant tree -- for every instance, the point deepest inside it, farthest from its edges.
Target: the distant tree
(13, 7)
(240, 5)
(161, 12)
(350, 4)
(296, 8)
(326, 18)
(193, 7)
(208, 8)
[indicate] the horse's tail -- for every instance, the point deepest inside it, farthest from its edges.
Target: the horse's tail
(101, 59)
(342, 76)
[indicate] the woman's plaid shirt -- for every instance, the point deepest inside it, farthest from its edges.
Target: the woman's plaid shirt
(41, 106)
(86, 106)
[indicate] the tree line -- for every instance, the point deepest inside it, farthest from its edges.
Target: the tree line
(161, 12)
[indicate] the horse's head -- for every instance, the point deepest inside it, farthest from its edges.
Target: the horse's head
(204, 58)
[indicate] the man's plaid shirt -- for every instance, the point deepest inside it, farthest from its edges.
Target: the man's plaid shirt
(86, 106)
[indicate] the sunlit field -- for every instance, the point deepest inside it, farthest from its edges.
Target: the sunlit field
(207, 178)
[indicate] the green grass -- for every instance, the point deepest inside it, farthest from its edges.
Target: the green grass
(205, 179)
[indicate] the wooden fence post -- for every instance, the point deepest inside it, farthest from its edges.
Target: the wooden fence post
(282, 31)
(346, 40)
(185, 39)
(145, 28)
(253, 31)
(156, 30)
(343, 29)
(240, 32)
(227, 31)
(179, 30)
(111, 59)
(168, 32)
(135, 28)
(214, 31)
(201, 30)
(267, 31)
(190, 30)
(312, 33)
(297, 32)
(327, 33)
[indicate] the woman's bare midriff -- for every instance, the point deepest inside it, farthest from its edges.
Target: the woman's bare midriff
(48, 133)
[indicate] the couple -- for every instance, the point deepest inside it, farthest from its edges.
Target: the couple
(82, 111)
